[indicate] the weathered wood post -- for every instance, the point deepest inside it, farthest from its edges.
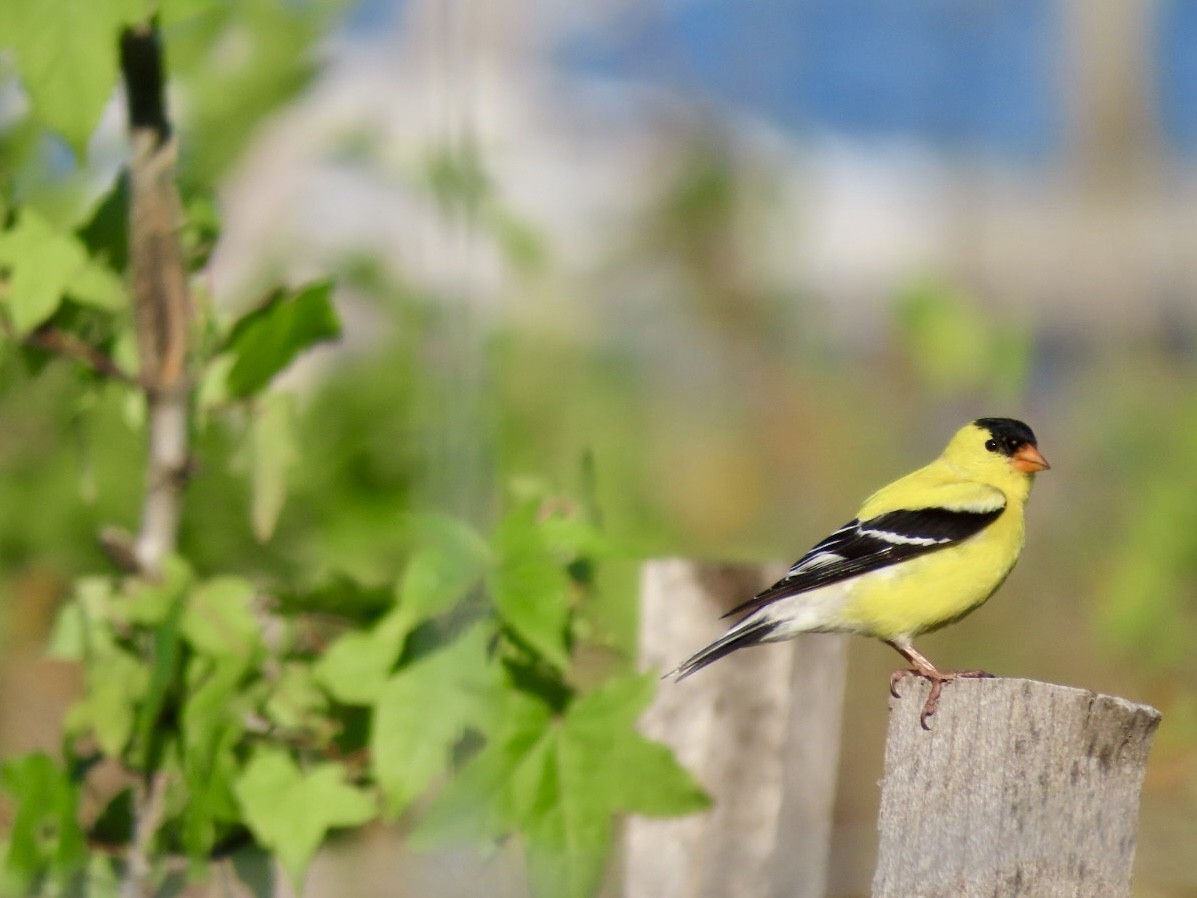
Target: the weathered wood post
(1019, 789)
(760, 729)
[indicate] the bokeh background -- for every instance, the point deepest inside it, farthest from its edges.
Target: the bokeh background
(731, 264)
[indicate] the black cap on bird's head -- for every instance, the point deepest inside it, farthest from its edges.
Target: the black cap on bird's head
(1014, 440)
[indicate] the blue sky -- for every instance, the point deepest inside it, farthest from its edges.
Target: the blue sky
(969, 75)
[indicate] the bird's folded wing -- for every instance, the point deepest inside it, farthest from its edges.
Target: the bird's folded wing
(886, 538)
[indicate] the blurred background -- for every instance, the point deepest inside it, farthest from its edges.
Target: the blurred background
(731, 266)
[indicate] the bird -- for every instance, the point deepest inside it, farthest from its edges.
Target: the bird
(920, 554)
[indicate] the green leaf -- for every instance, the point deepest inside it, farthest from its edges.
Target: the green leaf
(105, 232)
(45, 836)
(150, 602)
(116, 683)
(615, 706)
(560, 782)
(103, 876)
(567, 832)
(208, 777)
(223, 87)
(290, 810)
(274, 454)
(213, 720)
(482, 802)
(530, 586)
(98, 287)
(636, 774)
(268, 339)
(67, 638)
(66, 52)
(341, 596)
(214, 700)
(213, 389)
(90, 602)
(574, 536)
(219, 619)
(296, 700)
(568, 527)
(424, 710)
(652, 783)
(597, 765)
(42, 261)
(354, 668)
(448, 559)
(164, 666)
(538, 781)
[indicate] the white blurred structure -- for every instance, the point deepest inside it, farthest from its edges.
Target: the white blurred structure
(1098, 241)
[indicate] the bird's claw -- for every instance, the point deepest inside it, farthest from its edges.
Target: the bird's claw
(896, 677)
(937, 679)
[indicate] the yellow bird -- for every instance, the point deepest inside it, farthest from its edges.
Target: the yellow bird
(921, 553)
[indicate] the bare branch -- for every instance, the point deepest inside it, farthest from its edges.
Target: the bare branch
(121, 548)
(160, 294)
(163, 314)
(149, 799)
(59, 341)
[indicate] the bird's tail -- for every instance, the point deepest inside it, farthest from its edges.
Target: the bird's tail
(739, 637)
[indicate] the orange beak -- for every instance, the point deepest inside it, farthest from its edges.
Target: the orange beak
(1028, 460)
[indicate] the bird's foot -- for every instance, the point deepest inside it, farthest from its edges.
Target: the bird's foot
(937, 678)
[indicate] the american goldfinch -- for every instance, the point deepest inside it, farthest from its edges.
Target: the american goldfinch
(921, 553)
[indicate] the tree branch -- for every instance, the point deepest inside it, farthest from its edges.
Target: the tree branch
(65, 344)
(163, 314)
(149, 801)
(160, 293)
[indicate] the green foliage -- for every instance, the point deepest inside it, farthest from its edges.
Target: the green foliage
(955, 347)
(1144, 598)
(219, 621)
(424, 710)
(267, 340)
(558, 777)
(361, 660)
(65, 53)
(46, 265)
(46, 842)
(531, 588)
(435, 674)
(273, 449)
(291, 809)
(447, 560)
(276, 59)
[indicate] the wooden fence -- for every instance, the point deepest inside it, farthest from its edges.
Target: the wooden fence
(1019, 789)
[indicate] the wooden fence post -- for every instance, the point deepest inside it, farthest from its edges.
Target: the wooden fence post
(1019, 789)
(760, 729)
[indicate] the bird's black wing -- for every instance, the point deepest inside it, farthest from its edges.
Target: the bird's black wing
(862, 546)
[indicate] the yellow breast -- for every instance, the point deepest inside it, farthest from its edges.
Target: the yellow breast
(932, 590)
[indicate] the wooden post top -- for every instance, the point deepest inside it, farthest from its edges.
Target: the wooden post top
(1018, 788)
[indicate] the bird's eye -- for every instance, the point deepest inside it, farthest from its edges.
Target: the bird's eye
(991, 445)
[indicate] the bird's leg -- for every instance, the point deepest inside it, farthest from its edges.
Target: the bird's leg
(928, 671)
